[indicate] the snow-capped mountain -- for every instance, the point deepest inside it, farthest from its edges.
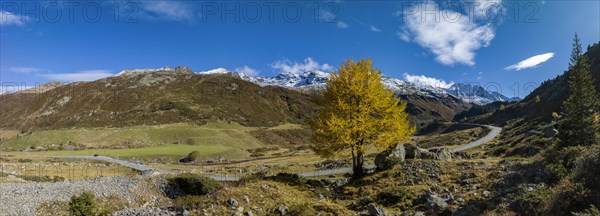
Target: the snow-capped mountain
(310, 79)
(476, 94)
(316, 79)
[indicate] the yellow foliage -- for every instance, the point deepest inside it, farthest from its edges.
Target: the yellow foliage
(358, 112)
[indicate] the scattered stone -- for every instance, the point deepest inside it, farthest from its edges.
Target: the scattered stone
(442, 154)
(282, 210)
(550, 131)
(486, 193)
(246, 199)
(390, 157)
(144, 211)
(232, 202)
(150, 172)
(414, 152)
(249, 213)
(374, 210)
(341, 182)
(434, 201)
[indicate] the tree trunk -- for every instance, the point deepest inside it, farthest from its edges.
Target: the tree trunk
(357, 168)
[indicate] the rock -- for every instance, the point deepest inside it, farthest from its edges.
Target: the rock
(419, 213)
(410, 213)
(232, 202)
(150, 172)
(281, 210)
(532, 133)
(462, 155)
(434, 201)
(550, 131)
(374, 210)
(414, 152)
(390, 157)
(442, 154)
(185, 160)
(183, 69)
(326, 182)
(341, 182)
(320, 197)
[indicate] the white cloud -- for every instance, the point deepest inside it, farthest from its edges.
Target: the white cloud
(247, 70)
(342, 25)
(486, 8)
(403, 35)
(295, 67)
(88, 75)
(427, 81)
(327, 16)
(375, 29)
(451, 40)
(24, 70)
(530, 62)
(167, 10)
(8, 18)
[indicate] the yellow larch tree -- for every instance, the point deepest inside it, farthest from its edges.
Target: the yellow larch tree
(356, 113)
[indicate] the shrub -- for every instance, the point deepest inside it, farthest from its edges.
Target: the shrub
(166, 106)
(42, 178)
(257, 154)
(192, 156)
(251, 178)
(315, 183)
(289, 178)
(193, 184)
(401, 197)
(592, 211)
(189, 202)
(83, 205)
(24, 160)
(302, 210)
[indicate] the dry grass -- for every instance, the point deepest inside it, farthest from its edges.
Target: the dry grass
(70, 169)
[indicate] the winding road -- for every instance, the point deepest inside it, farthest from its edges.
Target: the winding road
(494, 131)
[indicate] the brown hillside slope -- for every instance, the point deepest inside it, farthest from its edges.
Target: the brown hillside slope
(151, 99)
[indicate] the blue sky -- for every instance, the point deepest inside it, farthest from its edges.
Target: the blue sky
(495, 43)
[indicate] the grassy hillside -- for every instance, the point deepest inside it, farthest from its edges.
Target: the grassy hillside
(222, 133)
(154, 99)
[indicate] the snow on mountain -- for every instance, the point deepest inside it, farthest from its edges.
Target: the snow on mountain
(475, 93)
(141, 71)
(412, 85)
(316, 79)
(215, 71)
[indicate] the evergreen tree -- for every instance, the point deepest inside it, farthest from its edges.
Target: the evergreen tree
(356, 113)
(579, 127)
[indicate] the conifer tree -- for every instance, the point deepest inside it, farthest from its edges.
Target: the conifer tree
(357, 113)
(579, 127)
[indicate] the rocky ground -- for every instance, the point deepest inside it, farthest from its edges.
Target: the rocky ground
(23, 199)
